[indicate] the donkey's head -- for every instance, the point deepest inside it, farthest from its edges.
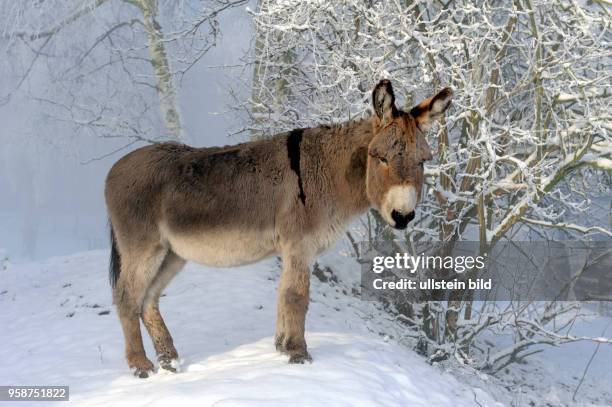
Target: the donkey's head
(397, 152)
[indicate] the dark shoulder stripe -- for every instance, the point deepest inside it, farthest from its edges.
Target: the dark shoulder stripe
(293, 151)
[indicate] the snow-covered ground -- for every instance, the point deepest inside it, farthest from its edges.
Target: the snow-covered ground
(59, 328)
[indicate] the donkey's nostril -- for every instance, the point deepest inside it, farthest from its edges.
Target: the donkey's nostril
(401, 220)
(410, 216)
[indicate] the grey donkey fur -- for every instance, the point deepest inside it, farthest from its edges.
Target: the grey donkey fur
(292, 194)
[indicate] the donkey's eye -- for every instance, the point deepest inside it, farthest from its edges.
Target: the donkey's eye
(383, 160)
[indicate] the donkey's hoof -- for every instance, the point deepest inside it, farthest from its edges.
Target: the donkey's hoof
(169, 364)
(142, 366)
(300, 358)
(142, 373)
(290, 345)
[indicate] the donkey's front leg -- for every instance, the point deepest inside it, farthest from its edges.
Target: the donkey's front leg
(292, 306)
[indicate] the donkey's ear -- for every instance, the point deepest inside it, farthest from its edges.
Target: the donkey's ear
(383, 101)
(432, 109)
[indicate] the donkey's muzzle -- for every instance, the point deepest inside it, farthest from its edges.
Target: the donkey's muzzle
(401, 220)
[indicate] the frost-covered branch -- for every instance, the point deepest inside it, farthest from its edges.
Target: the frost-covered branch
(122, 59)
(524, 153)
(532, 90)
(568, 226)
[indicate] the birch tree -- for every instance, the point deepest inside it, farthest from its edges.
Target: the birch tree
(114, 65)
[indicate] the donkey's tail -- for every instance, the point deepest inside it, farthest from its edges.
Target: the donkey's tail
(115, 259)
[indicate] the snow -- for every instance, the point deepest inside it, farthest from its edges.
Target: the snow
(59, 328)
(604, 164)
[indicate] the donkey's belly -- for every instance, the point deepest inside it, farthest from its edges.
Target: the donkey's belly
(223, 248)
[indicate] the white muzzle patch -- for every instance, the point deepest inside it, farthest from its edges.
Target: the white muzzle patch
(402, 199)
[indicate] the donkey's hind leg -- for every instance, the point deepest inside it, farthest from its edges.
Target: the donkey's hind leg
(138, 268)
(153, 321)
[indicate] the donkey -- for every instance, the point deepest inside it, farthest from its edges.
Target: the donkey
(292, 194)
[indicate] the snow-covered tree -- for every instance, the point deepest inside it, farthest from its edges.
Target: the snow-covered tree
(114, 64)
(526, 150)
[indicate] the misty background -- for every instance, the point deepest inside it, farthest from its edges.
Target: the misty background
(51, 185)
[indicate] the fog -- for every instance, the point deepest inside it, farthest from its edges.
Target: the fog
(51, 185)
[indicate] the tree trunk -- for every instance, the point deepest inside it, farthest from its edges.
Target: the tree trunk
(166, 91)
(257, 110)
(262, 80)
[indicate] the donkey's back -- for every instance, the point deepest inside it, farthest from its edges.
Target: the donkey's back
(215, 206)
